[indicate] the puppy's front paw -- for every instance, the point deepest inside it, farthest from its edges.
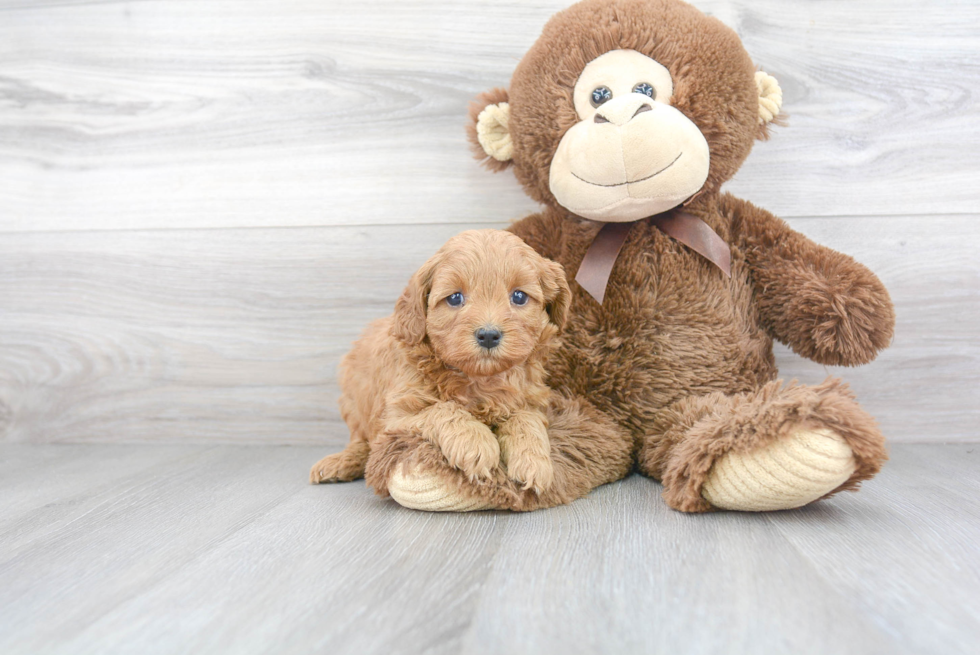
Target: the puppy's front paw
(535, 471)
(474, 451)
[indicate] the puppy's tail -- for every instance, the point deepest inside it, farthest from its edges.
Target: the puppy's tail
(344, 466)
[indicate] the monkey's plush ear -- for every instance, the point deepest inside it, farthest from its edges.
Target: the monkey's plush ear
(412, 306)
(488, 129)
(770, 101)
(557, 295)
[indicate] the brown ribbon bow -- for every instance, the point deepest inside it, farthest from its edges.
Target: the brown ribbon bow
(593, 272)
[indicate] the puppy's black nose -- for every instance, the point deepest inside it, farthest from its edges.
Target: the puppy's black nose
(488, 337)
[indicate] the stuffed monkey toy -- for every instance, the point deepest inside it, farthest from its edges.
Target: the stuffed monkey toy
(624, 120)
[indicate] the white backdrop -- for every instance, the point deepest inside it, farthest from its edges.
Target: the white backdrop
(203, 202)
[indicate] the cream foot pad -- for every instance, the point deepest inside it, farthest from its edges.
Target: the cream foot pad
(788, 473)
(429, 493)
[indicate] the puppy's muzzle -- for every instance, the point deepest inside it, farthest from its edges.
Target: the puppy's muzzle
(488, 337)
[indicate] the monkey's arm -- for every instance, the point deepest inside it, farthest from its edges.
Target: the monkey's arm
(821, 303)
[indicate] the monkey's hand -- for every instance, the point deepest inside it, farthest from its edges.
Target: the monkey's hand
(821, 303)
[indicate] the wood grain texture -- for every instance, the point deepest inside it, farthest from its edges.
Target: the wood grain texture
(49, 487)
(931, 525)
(158, 114)
(227, 549)
(233, 336)
(321, 145)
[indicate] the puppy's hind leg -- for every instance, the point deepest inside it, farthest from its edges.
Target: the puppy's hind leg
(344, 466)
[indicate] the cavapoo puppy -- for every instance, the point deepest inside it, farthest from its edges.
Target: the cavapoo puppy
(460, 363)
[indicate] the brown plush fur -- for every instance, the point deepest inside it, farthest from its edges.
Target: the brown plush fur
(678, 355)
(421, 371)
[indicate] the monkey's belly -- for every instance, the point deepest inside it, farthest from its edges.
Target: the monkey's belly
(631, 365)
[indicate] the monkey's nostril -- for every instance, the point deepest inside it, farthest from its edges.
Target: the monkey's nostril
(644, 107)
(599, 118)
(488, 338)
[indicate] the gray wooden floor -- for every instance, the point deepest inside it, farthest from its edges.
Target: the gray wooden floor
(202, 549)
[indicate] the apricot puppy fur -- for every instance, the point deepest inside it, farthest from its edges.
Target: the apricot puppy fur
(460, 363)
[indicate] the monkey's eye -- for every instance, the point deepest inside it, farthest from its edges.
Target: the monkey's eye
(645, 89)
(600, 94)
(455, 299)
(518, 297)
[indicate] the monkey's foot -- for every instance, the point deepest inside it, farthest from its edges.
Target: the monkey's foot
(430, 492)
(788, 473)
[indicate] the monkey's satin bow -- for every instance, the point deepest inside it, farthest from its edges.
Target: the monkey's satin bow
(593, 272)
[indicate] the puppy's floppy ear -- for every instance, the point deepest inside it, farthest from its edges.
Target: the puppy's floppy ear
(489, 129)
(413, 305)
(557, 295)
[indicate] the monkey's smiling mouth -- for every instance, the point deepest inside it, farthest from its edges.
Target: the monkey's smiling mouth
(642, 179)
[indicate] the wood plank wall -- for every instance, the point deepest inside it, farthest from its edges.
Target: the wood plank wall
(203, 202)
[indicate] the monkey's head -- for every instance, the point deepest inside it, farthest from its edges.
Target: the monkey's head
(626, 108)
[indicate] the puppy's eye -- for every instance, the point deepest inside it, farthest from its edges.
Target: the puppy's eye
(518, 297)
(645, 89)
(600, 94)
(455, 300)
